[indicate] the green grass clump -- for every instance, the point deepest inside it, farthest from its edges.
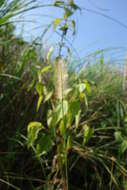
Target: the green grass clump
(99, 162)
(95, 107)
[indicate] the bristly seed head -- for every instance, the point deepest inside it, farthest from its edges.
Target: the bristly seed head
(61, 78)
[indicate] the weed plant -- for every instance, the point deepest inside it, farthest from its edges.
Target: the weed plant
(60, 129)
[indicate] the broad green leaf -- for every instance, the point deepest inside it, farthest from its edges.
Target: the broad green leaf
(44, 145)
(74, 108)
(64, 107)
(118, 136)
(60, 154)
(58, 3)
(50, 118)
(82, 95)
(77, 119)
(69, 119)
(62, 128)
(123, 146)
(69, 143)
(39, 88)
(73, 26)
(125, 119)
(48, 96)
(45, 69)
(81, 87)
(39, 102)
(56, 23)
(33, 130)
(68, 13)
(61, 110)
(45, 91)
(87, 134)
(33, 124)
(87, 86)
(68, 91)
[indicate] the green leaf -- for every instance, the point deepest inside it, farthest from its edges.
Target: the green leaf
(61, 110)
(33, 124)
(74, 108)
(50, 118)
(45, 69)
(82, 95)
(39, 102)
(73, 26)
(68, 91)
(56, 22)
(102, 60)
(50, 53)
(88, 132)
(5, 19)
(86, 102)
(39, 88)
(125, 119)
(62, 128)
(48, 96)
(118, 136)
(44, 145)
(77, 119)
(74, 6)
(123, 146)
(31, 85)
(68, 12)
(33, 130)
(81, 87)
(64, 28)
(58, 3)
(69, 143)
(87, 86)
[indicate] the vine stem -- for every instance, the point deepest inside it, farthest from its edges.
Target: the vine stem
(61, 43)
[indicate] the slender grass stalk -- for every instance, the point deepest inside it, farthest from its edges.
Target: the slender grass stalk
(9, 184)
(61, 87)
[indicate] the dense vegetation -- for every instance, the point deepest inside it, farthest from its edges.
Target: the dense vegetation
(60, 128)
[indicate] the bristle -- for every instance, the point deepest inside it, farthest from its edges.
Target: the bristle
(61, 78)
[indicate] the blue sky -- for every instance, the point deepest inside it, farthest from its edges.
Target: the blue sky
(93, 31)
